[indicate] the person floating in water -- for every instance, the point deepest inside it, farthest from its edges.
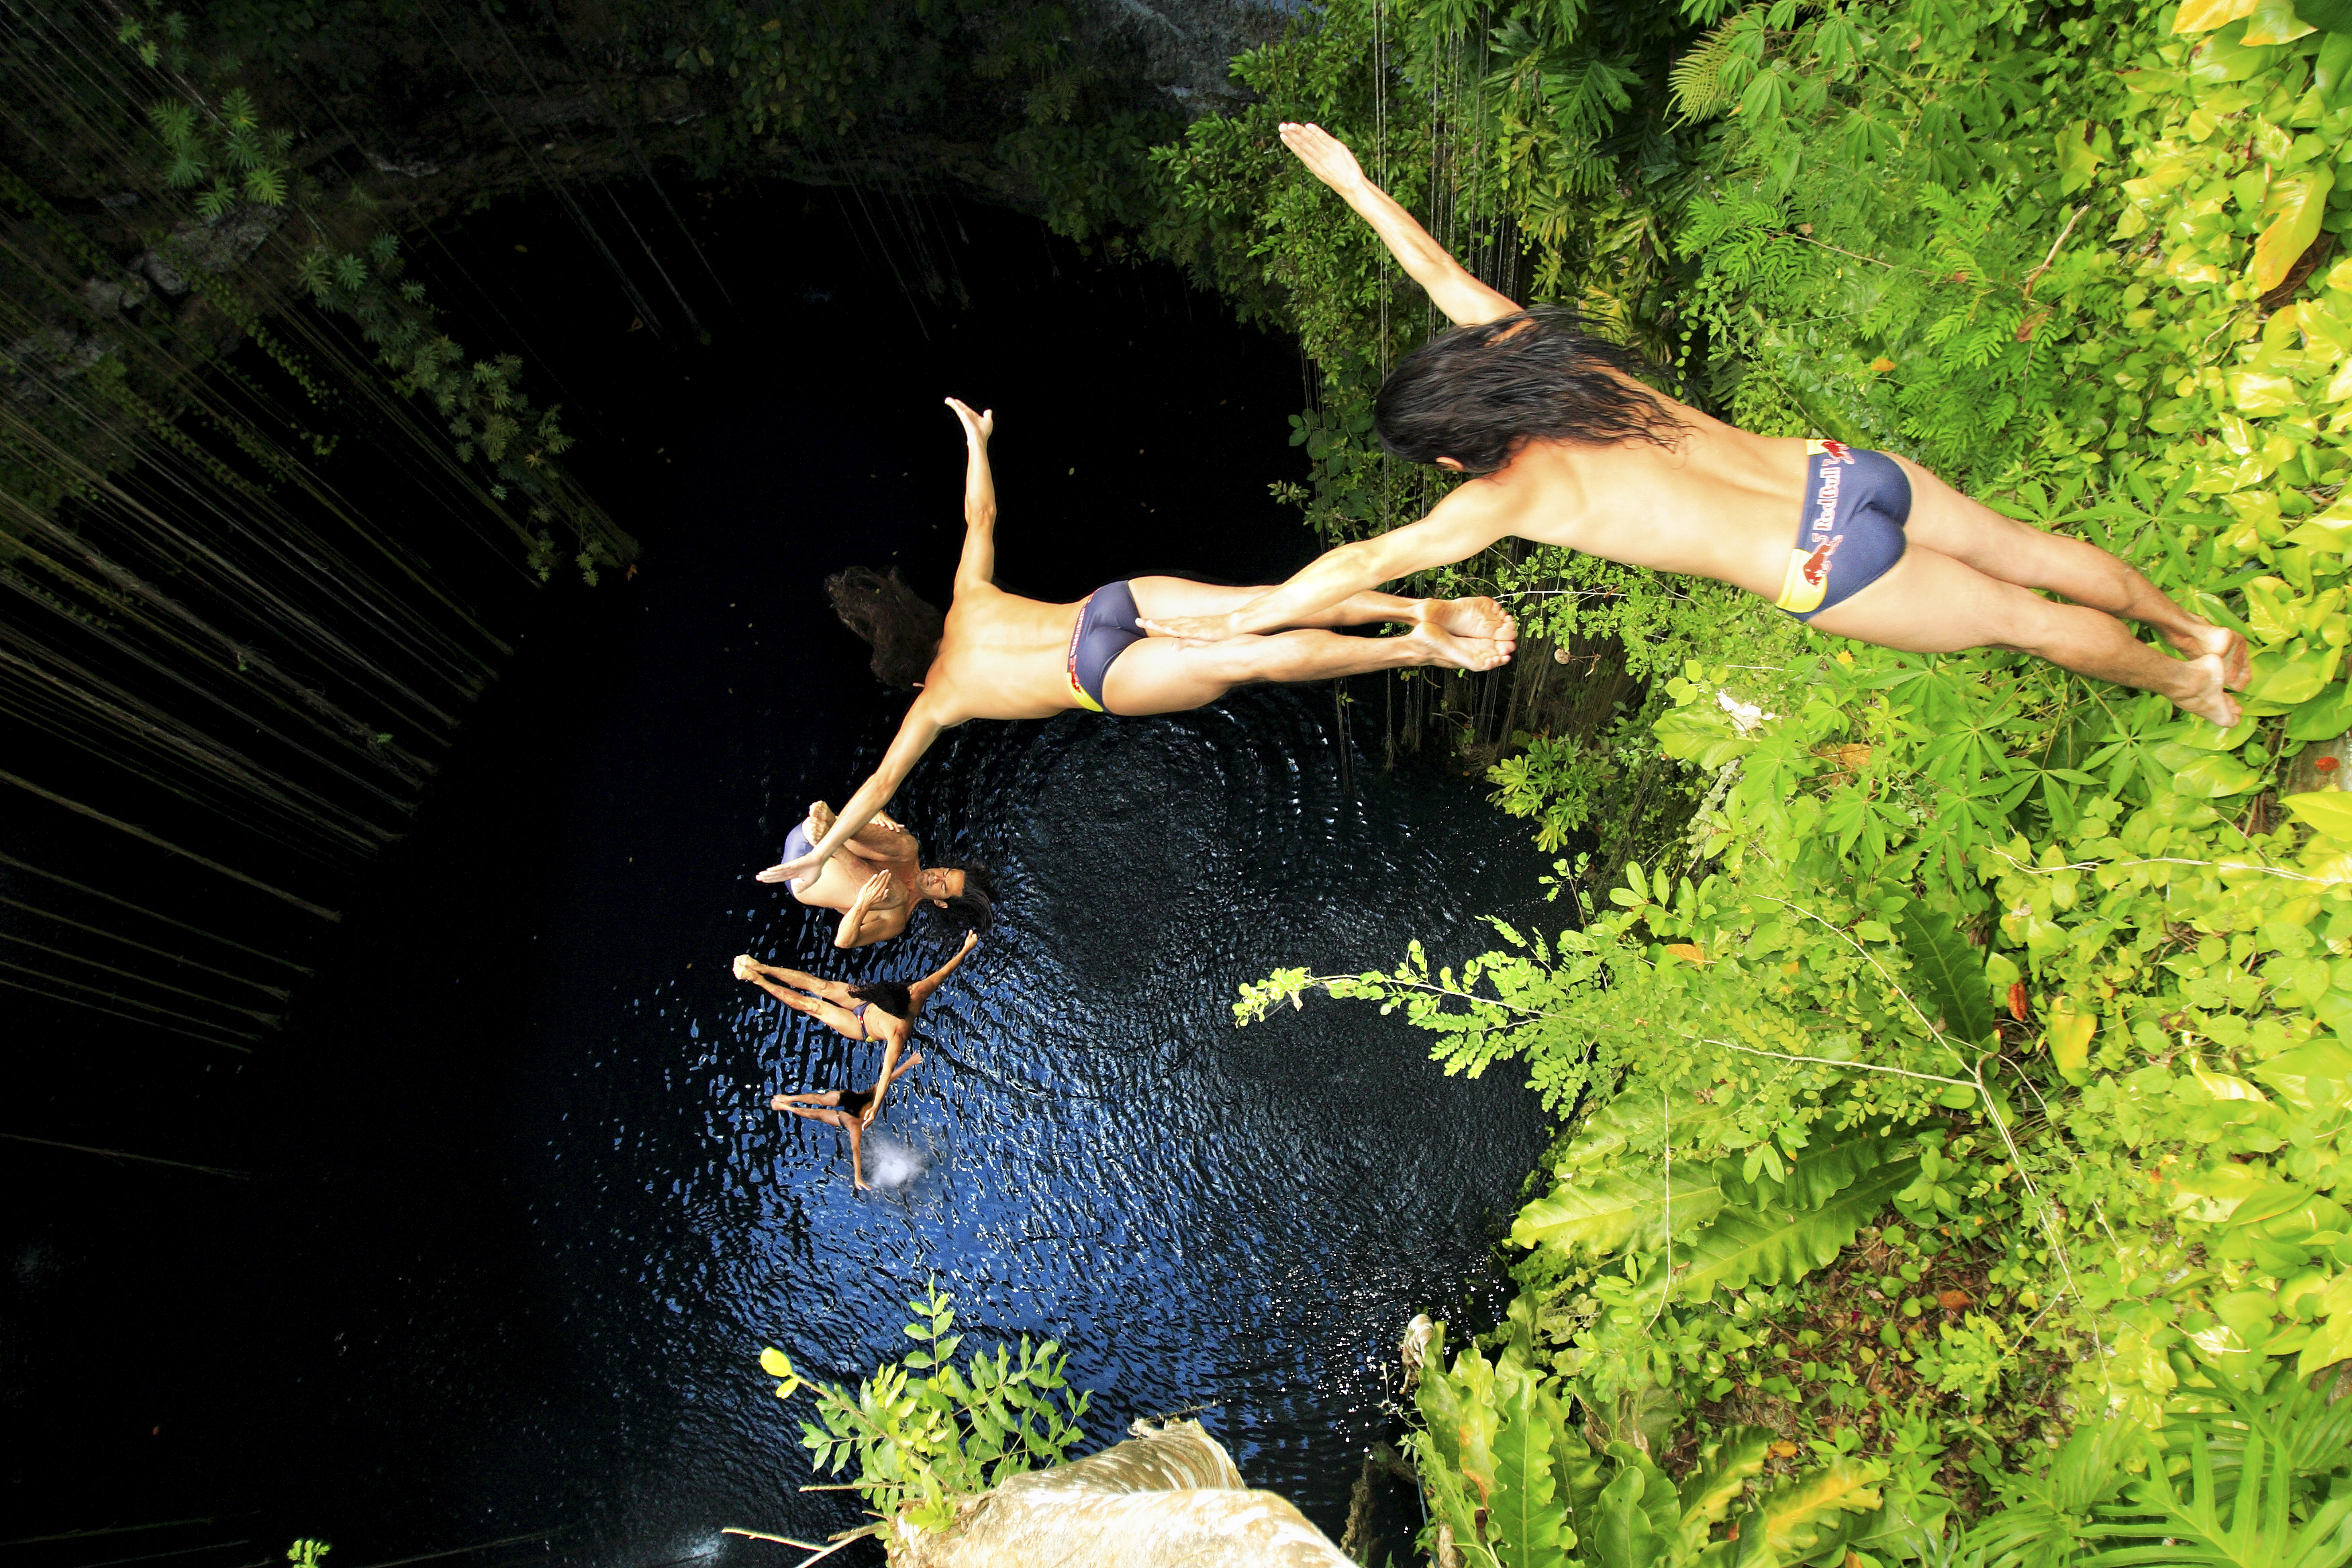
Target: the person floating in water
(997, 655)
(1570, 450)
(880, 879)
(849, 1109)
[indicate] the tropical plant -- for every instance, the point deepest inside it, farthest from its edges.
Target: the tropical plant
(924, 1433)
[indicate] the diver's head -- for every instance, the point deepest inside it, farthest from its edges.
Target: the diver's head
(904, 629)
(964, 892)
(1469, 399)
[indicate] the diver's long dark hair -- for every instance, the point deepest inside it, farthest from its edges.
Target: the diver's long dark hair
(904, 628)
(1477, 395)
(974, 909)
(892, 995)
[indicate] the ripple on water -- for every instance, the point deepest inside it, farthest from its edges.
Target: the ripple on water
(1203, 1216)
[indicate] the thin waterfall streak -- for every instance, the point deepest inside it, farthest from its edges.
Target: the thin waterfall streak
(280, 992)
(140, 833)
(147, 1024)
(144, 1160)
(273, 1019)
(179, 678)
(111, 996)
(234, 805)
(26, 866)
(112, 702)
(316, 712)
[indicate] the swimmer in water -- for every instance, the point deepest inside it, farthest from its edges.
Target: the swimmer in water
(995, 654)
(878, 880)
(849, 1109)
(1569, 449)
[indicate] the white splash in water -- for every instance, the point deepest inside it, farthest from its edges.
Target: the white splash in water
(890, 1163)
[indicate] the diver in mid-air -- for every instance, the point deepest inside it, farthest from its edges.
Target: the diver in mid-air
(1570, 449)
(864, 1010)
(995, 654)
(879, 881)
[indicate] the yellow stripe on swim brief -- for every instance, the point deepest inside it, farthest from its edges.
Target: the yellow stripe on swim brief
(1798, 596)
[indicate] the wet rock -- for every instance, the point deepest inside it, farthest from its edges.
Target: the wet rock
(220, 242)
(49, 356)
(1188, 45)
(414, 169)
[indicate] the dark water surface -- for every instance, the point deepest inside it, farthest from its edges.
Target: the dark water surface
(526, 1222)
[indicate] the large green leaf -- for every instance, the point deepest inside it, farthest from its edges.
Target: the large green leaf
(1623, 1535)
(1522, 1518)
(1946, 974)
(1744, 1248)
(1802, 1511)
(1600, 1214)
(1453, 1502)
(1818, 1173)
(1726, 1463)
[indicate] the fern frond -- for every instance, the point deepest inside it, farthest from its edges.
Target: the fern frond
(1695, 81)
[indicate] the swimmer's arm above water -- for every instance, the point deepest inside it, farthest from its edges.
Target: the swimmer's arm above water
(977, 568)
(1466, 521)
(1465, 301)
(921, 726)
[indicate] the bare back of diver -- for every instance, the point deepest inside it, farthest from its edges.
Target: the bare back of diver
(1000, 656)
(1900, 559)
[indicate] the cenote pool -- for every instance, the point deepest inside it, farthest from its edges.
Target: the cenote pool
(530, 1222)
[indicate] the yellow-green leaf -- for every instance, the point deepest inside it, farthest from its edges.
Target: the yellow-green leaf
(2275, 21)
(2204, 16)
(2295, 206)
(2328, 810)
(775, 1363)
(2069, 1043)
(2258, 392)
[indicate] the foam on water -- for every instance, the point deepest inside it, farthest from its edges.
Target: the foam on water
(890, 1164)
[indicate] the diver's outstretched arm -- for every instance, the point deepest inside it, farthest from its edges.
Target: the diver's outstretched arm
(977, 568)
(916, 732)
(920, 991)
(892, 1071)
(1465, 301)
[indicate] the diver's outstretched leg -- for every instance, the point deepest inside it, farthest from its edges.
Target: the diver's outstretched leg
(1974, 534)
(1168, 675)
(1170, 598)
(1931, 603)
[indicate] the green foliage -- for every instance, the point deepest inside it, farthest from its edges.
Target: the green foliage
(2075, 966)
(924, 1433)
(307, 1553)
(490, 422)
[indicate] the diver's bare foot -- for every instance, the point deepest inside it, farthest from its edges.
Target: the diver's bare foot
(2205, 696)
(1478, 617)
(745, 966)
(820, 820)
(1460, 653)
(2237, 667)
